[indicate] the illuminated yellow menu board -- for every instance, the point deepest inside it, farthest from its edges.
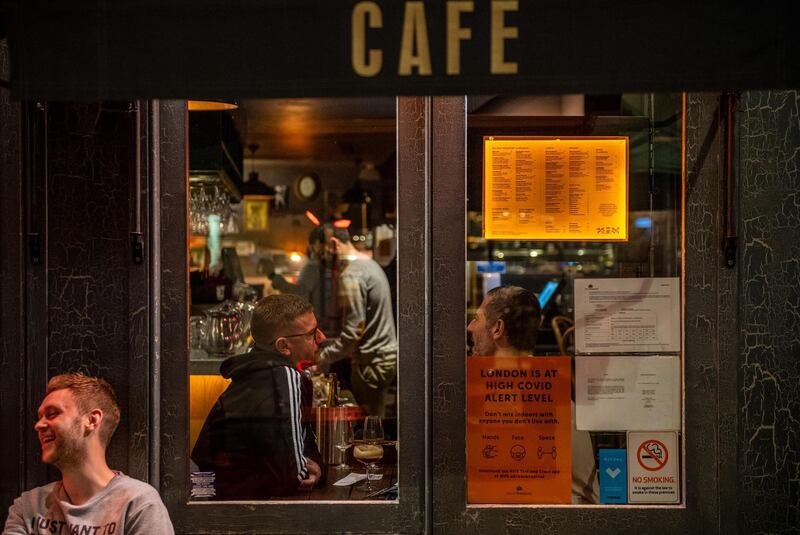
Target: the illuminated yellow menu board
(555, 188)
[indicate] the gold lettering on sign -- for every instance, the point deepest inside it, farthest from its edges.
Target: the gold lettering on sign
(501, 33)
(414, 49)
(366, 14)
(456, 33)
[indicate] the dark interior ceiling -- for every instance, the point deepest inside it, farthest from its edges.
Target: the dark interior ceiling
(322, 129)
(361, 129)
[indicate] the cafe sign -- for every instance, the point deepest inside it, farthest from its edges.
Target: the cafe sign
(110, 49)
(415, 49)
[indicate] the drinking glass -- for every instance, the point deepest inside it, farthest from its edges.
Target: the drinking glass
(370, 450)
(342, 440)
(197, 336)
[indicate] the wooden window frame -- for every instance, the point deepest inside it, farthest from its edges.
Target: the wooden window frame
(405, 515)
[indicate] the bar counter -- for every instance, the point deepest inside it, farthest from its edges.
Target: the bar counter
(329, 492)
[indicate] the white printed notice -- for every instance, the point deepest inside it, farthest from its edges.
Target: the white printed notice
(625, 392)
(639, 315)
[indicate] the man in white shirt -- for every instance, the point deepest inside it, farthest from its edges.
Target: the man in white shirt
(75, 424)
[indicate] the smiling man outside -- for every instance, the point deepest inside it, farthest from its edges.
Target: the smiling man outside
(75, 424)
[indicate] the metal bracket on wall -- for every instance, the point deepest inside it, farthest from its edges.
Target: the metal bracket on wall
(727, 107)
(729, 245)
(35, 248)
(35, 178)
(137, 244)
(137, 247)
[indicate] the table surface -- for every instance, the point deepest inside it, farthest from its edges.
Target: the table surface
(330, 492)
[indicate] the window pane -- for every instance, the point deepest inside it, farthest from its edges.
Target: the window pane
(573, 255)
(293, 344)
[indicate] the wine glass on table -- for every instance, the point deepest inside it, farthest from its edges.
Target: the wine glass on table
(343, 439)
(370, 450)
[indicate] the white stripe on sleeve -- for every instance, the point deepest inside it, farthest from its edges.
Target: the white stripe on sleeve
(295, 401)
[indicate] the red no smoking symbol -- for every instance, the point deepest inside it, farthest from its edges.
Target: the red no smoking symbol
(652, 455)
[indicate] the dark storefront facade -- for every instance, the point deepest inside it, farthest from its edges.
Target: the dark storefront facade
(91, 176)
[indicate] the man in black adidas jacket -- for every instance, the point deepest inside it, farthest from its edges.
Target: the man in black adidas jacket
(255, 439)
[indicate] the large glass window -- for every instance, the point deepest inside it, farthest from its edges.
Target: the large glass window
(293, 398)
(574, 300)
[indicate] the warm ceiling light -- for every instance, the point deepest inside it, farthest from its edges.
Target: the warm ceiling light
(342, 223)
(311, 217)
(212, 105)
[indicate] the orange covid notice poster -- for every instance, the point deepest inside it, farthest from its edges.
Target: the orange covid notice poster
(519, 432)
(555, 188)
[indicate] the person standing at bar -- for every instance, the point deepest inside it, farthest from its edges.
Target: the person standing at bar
(311, 280)
(368, 336)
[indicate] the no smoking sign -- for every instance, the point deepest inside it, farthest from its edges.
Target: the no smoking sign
(652, 455)
(652, 467)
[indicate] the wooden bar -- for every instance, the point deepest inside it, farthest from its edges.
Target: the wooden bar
(329, 492)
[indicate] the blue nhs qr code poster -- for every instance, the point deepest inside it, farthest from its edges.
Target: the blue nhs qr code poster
(613, 476)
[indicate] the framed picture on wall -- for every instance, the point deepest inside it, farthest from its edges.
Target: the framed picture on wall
(256, 212)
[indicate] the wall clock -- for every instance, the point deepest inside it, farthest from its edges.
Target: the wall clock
(307, 186)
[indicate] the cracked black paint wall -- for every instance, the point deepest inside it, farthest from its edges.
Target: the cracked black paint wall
(769, 312)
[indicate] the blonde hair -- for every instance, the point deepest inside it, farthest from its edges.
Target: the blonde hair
(273, 313)
(91, 393)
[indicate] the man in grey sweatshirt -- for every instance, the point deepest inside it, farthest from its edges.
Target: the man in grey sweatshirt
(368, 336)
(75, 423)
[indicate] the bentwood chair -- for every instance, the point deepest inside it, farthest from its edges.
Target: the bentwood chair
(562, 328)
